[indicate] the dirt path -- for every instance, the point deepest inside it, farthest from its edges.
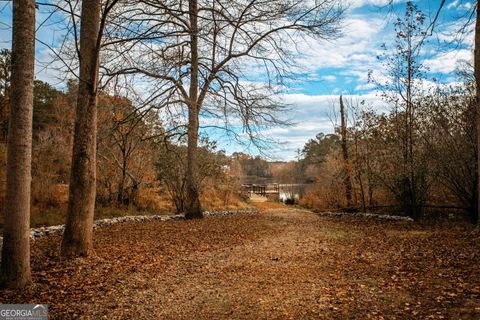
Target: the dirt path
(279, 264)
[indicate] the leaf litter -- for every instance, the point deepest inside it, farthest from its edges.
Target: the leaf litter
(279, 264)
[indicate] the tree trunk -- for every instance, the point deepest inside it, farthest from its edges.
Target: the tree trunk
(346, 174)
(193, 209)
(77, 239)
(359, 179)
(15, 269)
(121, 185)
(477, 100)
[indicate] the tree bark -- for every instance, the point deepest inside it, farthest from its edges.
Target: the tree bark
(477, 99)
(77, 239)
(15, 269)
(346, 174)
(193, 208)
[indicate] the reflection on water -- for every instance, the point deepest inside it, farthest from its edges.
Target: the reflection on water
(283, 196)
(287, 192)
(290, 193)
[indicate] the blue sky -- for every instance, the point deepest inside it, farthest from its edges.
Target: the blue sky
(332, 68)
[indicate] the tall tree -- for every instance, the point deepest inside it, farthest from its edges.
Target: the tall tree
(476, 72)
(347, 181)
(222, 60)
(77, 239)
(15, 269)
(193, 208)
(401, 89)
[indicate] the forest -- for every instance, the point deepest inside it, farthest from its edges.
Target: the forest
(140, 174)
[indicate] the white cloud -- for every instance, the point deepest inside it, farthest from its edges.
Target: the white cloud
(457, 4)
(354, 51)
(379, 3)
(447, 62)
(450, 32)
(329, 78)
(365, 86)
(453, 4)
(355, 46)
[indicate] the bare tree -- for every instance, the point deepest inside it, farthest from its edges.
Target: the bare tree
(223, 61)
(449, 130)
(172, 170)
(192, 205)
(402, 90)
(15, 269)
(124, 148)
(343, 132)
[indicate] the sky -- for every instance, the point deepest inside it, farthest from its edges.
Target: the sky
(331, 68)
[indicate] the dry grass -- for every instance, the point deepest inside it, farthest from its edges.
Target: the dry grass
(269, 205)
(154, 199)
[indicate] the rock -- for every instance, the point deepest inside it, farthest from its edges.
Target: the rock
(365, 215)
(225, 213)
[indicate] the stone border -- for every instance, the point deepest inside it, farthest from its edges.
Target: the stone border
(37, 233)
(364, 215)
(226, 213)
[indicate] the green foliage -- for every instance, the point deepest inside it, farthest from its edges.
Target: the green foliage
(44, 96)
(253, 166)
(315, 150)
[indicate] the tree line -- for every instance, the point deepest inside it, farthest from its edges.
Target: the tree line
(421, 155)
